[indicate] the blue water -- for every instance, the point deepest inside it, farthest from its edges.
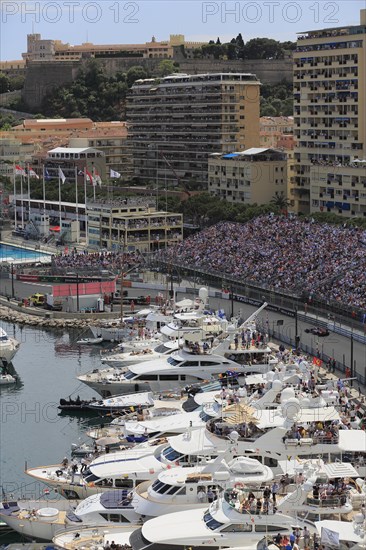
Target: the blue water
(15, 253)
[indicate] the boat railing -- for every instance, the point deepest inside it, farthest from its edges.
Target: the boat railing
(240, 501)
(332, 501)
(310, 441)
(222, 430)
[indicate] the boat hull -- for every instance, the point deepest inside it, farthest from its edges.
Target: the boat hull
(8, 351)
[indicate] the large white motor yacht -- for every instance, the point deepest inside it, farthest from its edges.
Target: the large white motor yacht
(222, 524)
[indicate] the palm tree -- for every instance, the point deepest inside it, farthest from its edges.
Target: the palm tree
(280, 201)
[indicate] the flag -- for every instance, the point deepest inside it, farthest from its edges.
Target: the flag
(19, 171)
(317, 361)
(89, 178)
(47, 176)
(61, 175)
(329, 537)
(33, 174)
(98, 179)
(114, 174)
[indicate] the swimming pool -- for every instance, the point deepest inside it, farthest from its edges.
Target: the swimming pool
(17, 254)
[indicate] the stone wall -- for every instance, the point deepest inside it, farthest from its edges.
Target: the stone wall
(42, 77)
(268, 71)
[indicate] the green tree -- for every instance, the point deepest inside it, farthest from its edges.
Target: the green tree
(263, 48)
(4, 83)
(280, 201)
(268, 110)
(16, 82)
(167, 67)
(135, 73)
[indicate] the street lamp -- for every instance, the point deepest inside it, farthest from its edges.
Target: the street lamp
(12, 281)
(297, 337)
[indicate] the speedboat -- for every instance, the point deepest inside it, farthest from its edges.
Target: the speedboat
(7, 379)
(90, 341)
(122, 403)
(8, 348)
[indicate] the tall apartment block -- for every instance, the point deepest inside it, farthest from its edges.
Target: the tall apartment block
(330, 121)
(177, 121)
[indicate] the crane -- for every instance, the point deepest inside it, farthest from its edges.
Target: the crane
(175, 174)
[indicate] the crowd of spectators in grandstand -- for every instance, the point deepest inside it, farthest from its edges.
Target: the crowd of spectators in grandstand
(288, 253)
(94, 260)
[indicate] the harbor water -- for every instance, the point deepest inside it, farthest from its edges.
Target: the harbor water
(17, 253)
(32, 429)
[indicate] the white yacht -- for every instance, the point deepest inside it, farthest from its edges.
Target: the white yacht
(8, 348)
(184, 488)
(189, 365)
(7, 379)
(166, 417)
(44, 519)
(221, 525)
(114, 330)
(140, 352)
(243, 433)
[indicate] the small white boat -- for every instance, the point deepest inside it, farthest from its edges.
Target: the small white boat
(90, 341)
(8, 348)
(7, 379)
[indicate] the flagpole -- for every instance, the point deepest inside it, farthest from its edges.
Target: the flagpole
(59, 197)
(21, 198)
(29, 201)
(77, 205)
(44, 191)
(15, 200)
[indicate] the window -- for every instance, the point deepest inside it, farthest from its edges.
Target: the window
(172, 455)
(211, 522)
(265, 528)
(173, 362)
(129, 375)
(124, 483)
(238, 528)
